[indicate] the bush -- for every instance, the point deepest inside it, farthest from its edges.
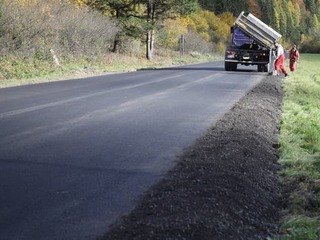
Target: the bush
(34, 28)
(195, 43)
(30, 28)
(311, 46)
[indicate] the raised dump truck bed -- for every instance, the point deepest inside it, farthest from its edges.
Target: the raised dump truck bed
(252, 44)
(257, 30)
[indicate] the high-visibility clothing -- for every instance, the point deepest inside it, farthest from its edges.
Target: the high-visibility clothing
(294, 57)
(279, 64)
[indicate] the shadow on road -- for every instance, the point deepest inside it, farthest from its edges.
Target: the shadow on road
(184, 68)
(217, 69)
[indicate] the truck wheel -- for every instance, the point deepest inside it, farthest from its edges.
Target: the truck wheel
(230, 66)
(234, 66)
(227, 66)
(263, 68)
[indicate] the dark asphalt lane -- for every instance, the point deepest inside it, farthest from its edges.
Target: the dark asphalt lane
(76, 154)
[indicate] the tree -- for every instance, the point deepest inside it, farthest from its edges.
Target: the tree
(293, 22)
(138, 17)
(274, 15)
(171, 31)
(218, 6)
(315, 23)
(283, 11)
(123, 11)
(218, 29)
(227, 18)
(199, 24)
(156, 11)
(311, 5)
(254, 8)
(207, 4)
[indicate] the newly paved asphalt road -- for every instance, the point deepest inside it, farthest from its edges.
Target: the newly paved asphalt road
(76, 154)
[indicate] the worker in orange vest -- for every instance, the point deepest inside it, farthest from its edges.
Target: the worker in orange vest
(294, 56)
(280, 58)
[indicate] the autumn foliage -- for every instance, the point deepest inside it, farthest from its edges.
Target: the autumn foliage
(93, 29)
(33, 27)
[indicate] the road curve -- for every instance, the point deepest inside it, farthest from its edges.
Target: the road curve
(76, 154)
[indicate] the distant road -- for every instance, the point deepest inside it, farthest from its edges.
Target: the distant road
(76, 154)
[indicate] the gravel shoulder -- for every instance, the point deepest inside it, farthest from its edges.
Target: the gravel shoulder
(225, 186)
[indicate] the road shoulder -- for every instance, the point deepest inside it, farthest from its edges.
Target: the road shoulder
(225, 186)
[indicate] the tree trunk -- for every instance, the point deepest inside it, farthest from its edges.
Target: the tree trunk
(149, 44)
(116, 43)
(150, 33)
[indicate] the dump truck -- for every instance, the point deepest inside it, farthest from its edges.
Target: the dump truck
(252, 43)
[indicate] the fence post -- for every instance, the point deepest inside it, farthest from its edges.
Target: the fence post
(181, 45)
(54, 57)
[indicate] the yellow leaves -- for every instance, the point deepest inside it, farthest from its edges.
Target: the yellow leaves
(211, 27)
(79, 2)
(26, 3)
(174, 29)
(227, 18)
(184, 22)
(205, 23)
(199, 24)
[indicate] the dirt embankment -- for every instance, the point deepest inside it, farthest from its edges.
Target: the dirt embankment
(223, 187)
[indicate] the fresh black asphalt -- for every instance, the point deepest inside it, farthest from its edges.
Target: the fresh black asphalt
(75, 155)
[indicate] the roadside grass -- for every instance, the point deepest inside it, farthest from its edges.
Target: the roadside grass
(300, 151)
(15, 71)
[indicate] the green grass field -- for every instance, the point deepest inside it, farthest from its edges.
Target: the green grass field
(300, 150)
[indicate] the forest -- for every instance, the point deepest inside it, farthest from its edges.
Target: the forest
(296, 20)
(88, 30)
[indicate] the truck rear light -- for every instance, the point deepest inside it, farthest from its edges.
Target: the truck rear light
(231, 52)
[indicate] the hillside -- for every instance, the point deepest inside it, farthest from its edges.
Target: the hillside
(97, 34)
(296, 20)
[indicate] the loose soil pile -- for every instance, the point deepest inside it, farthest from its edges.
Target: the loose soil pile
(223, 187)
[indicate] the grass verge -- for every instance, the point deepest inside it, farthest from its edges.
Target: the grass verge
(300, 151)
(16, 71)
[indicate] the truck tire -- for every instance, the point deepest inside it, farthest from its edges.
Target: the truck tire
(263, 68)
(234, 66)
(228, 66)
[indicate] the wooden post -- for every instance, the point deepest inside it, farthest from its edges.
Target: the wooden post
(54, 57)
(181, 45)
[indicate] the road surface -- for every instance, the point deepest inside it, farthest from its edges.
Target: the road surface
(76, 154)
